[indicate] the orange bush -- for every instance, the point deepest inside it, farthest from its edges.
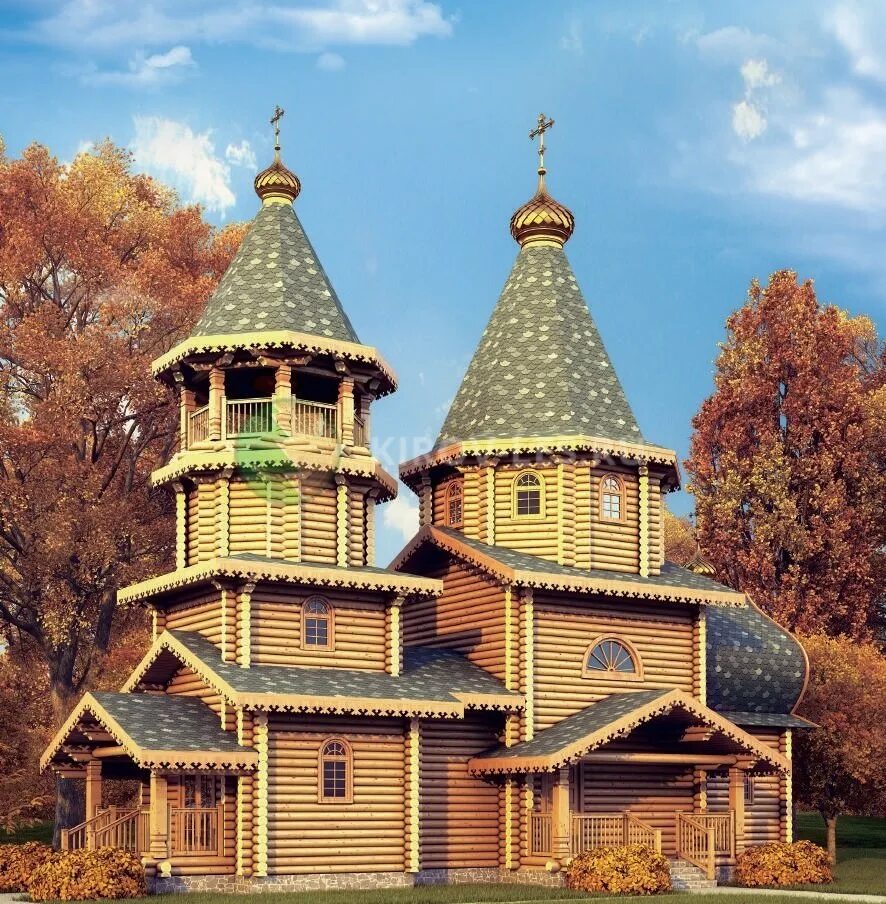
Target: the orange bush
(18, 862)
(778, 863)
(630, 870)
(81, 875)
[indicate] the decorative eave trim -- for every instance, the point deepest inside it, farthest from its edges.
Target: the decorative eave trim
(291, 572)
(278, 457)
(643, 453)
(147, 758)
(560, 582)
(288, 339)
(661, 706)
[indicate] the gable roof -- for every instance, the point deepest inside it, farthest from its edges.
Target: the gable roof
(674, 584)
(434, 682)
(612, 717)
(156, 730)
(540, 369)
(275, 282)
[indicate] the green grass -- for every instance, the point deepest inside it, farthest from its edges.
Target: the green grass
(41, 831)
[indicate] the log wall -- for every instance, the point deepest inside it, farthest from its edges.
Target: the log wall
(203, 864)
(459, 812)
(662, 635)
(367, 835)
(201, 613)
(359, 631)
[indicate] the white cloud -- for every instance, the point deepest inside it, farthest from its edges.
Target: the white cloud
(175, 153)
(573, 39)
(858, 27)
(144, 71)
(330, 62)
(241, 155)
(731, 43)
(401, 515)
(757, 74)
(108, 25)
(747, 121)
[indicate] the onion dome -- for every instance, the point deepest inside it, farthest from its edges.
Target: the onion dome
(277, 184)
(700, 565)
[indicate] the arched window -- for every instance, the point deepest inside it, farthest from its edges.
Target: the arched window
(612, 658)
(317, 624)
(528, 499)
(612, 500)
(335, 773)
(454, 508)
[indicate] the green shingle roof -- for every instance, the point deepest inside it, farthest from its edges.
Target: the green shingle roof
(541, 368)
(275, 282)
(753, 665)
(159, 722)
(767, 720)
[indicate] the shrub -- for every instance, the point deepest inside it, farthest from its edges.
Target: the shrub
(80, 875)
(778, 863)
(18, 862)
(630, 870)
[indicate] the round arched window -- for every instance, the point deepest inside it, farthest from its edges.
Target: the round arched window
(527, 495)
(336, 768)
(615, 658)
(317, 624)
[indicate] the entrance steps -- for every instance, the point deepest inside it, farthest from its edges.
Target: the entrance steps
(686, 877)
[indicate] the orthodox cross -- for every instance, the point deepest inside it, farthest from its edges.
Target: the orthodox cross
(544, 123)
(275, 122)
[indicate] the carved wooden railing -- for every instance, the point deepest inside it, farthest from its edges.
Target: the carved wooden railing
(541, 829)
(248, 417)
(92, 833)
(198, 425)
(594, 830)
(130, 832)
(723, 825)
(196, 830)
(315, 419)
(639, 832)
(695, 843)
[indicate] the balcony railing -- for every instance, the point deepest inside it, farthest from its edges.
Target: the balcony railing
(198, 425)
(196, 830)
(249, 417)
(314, 419)
(541, 834)
(592, 830)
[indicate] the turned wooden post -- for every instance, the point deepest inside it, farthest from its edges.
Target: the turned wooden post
(346, 410)
(216, 403)
(736, 804)
(159, 821)
(93, 794)
(560, 817)
(283, 399)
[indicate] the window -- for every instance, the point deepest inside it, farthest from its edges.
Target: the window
(198, 791)
(454, 504)
(527, 501)
(317, 624)
(611, 498)
(336, 768)
(748, 788)
(617, 658)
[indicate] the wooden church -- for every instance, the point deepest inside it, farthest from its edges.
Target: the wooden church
(528, 679)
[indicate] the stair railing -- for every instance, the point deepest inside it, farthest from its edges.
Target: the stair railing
(695, 843)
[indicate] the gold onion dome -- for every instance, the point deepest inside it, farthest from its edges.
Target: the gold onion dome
(277, 184)
(542, 219)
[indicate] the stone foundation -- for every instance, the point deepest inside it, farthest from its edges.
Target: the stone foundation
(349, 881)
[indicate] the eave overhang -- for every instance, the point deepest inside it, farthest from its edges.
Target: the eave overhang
(511, 761)
(623, 586)
(256, 570)
(283, 341)
(488, 449)
(242, 760)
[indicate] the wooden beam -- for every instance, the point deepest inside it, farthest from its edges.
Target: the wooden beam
(689, 759)
(104, 752)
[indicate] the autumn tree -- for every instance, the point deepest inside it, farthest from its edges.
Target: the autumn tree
(101, 270)
(840, 767)
(787, 459)
(680, 542)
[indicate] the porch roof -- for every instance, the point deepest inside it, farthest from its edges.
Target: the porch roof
(433, 682)
(613, 717)
(153, 730)
(674, 584)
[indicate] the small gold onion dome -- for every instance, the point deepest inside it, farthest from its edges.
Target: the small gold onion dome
(542, 220)
(277, 184)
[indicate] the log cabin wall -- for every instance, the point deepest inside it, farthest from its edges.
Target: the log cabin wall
(661, 634)
(319, 518)
(201, 864)
(307, 836)
(765, 810)
(358, 630)
(199, 612)
(189, 684)
(468, 617)
(536, 534)
(460, 822)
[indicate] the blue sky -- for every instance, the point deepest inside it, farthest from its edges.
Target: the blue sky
(699, 145)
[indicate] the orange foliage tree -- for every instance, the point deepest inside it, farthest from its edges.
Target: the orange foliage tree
(680, 542)
(101, 270)
(787, 459)
(840, 767)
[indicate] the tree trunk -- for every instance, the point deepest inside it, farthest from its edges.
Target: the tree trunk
(830, 823)
(70, 797)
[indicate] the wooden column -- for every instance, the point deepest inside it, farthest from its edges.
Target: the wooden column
(369, 528)
(244, 625)
(341, 521)
(425, 501)
(700, 669)
(216, 402)
(346, 410)
(644, 520)
(490, 505)
(413, 779)
(186, 408)
(787, 797)
(560, 816)
(527, 607)
(261, 794)
(159, 817)
(395, 638)
(736, 804)
(283, 399)
(93, 787)
(181, 525)
(223, 512)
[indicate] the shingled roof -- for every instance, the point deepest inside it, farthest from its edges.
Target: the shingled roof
(275, 282)
(541, 368)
